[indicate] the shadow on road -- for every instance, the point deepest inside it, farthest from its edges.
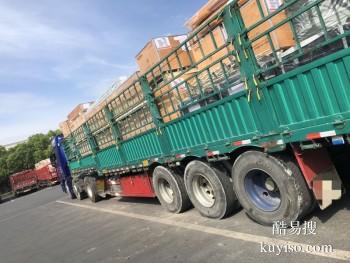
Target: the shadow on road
(138, 200)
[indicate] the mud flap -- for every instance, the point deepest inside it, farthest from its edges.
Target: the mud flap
(320, 174)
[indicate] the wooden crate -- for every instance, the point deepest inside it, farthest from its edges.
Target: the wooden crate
(157, 49)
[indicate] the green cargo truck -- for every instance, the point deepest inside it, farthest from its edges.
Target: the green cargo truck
(248, 128)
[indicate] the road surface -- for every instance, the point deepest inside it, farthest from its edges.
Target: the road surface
(46, 226)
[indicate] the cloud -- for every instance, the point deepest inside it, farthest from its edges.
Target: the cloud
(23, 35)
(21, 102)
(54, 56)
(24, 126)
(89, 62)
(23, 114)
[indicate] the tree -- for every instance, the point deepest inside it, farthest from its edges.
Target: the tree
(25, 155)
(2, 151)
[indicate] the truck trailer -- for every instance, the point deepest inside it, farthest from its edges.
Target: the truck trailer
(251, 122)
(46, 173)
(23, 182)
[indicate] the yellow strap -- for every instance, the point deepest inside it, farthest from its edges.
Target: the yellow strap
(255, 81)
(245, 54)
(239, 40)
(245, 84)
(258, 93)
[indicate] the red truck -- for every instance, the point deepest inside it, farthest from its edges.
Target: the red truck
(24, 181)
(46, 173)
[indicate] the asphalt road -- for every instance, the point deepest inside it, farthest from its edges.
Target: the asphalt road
(46, 226)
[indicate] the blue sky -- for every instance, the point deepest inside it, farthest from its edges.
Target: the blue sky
(56, 54)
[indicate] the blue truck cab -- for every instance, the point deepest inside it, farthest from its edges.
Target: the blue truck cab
(59, 160)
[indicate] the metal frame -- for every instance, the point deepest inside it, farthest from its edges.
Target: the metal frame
(256, 112)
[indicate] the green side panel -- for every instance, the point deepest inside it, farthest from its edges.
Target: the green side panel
(109, 157)
(142, 147)
(74, 165)
(86, 162)
(224, 121)
(313, 97)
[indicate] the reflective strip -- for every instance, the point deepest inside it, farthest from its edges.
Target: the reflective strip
(279, 142)
(317, 135)
(180, 156)
(243, 142)
(212, 153)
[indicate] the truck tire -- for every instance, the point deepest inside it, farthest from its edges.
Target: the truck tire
(69, 190)
(170, 190)
(79, 193)
(91, 190)
(210, 190)
(270, 188)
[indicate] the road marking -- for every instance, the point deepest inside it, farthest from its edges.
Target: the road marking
(336, 254)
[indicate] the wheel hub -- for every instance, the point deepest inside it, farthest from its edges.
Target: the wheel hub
(166, 191)
(89, 191)
(203, 190)
(270, 184)
(262, 190)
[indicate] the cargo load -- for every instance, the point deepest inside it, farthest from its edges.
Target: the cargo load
(46, 173)
(231, 119)
(158, 49)
(311, 30)
(64, 128)
(80, 109)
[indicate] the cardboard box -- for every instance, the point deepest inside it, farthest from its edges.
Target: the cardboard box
(121, 87)
(108, 97)
(282, 37)
(205, 12)
(168, 99)
(64, 127)
(73, 125)
(132, 95)
(157, 49)
(42, 163)
(78, 110)
(205, 46)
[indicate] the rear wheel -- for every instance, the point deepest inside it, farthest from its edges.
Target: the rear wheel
(79, 193)
(69, 189)
(91, 190)
(210, 190)
(270, 188)
(170, 190)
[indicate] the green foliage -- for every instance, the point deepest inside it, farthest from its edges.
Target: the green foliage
(25, 155)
